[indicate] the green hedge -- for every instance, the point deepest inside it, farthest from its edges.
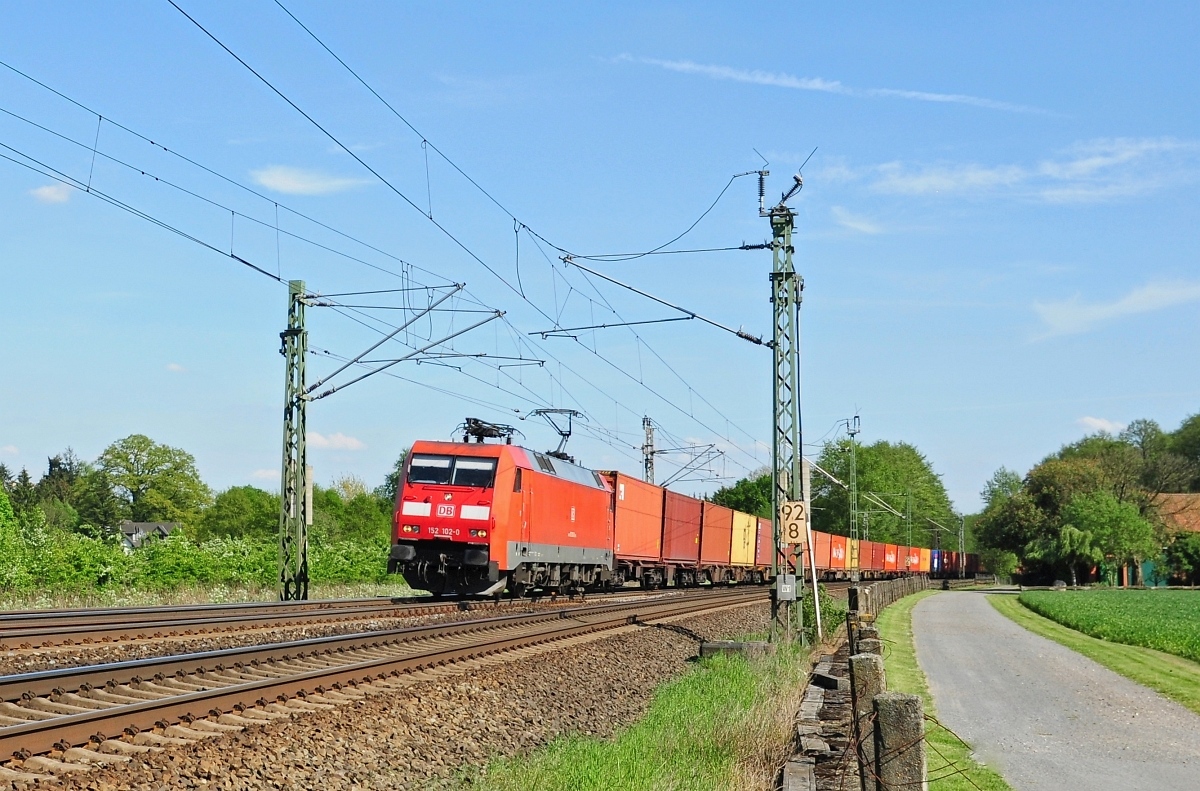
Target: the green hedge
(34, 556)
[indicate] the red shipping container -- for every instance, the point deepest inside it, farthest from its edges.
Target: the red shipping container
(837, 552)
(765, 547)
(637, 517)
(821, 542)
(681, 528)
(716, 534)
(864, 555)
(878, 556)
(912, 559)
(891, 557)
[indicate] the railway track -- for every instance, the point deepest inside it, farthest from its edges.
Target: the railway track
(64, 720)
(48, 628)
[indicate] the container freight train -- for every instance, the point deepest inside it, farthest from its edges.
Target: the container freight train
(475, 518)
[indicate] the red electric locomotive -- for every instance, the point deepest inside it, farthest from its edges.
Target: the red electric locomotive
(475, 519)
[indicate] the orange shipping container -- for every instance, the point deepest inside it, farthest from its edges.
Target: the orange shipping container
(837, 552)
(822, 543)
(891, 557)
(638, 516)
(765, 545)
(716, 533)
(912, 559)
(926, 559)
(681, 528)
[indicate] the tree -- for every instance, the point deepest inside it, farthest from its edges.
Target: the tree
(1003, 484)
(350, 486)
(6, 478)
(1185, 442)
(1068, 546)
(95, 499)
(1000, 562)
(751, 495)
(23, 493)
(158, 482)
(1119, 532)
(364, 517)
(391, 482)
(890, 471)
(240, 511)
(61, 473)
(1183, 557)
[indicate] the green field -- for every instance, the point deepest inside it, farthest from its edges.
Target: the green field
(1167, 621)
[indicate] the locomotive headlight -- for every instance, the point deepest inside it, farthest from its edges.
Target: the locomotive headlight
(477, 533)
(410, 529)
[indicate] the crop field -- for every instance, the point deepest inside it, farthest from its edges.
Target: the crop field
(1167, 621)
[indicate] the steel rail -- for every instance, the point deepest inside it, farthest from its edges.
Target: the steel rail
(57, 719)
(54, 627)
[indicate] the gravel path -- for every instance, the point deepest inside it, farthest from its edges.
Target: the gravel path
(1047, 717)
(438, 734)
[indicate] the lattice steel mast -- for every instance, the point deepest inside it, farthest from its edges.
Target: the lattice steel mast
(787, 448)
(294, 505)
(648, 450)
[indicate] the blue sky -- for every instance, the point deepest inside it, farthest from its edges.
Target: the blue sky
(997, 232)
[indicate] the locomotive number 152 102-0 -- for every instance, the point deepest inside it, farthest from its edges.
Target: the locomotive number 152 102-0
(445, 531)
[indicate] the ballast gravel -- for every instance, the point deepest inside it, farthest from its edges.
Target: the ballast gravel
(439, 733)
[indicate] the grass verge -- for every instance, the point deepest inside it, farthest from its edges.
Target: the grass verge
(727, 725)
(950, 765)
(1173, 676)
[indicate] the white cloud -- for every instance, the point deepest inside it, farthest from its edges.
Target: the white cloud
(781, 80)
(1073, 316)
(894, 178)
(854, 223)
(1101, 424)
(1087, 172)
(298, 181)
(264, 475)
(52, 193)
(10, 449)
(175, 368)
(337, 441)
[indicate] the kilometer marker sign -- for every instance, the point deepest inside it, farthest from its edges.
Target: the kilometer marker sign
(793, 522)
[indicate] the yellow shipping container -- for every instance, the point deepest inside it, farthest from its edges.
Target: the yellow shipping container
(742, 550)
(852, 562)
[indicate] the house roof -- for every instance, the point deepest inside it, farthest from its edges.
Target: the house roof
(146, 528)
(1180, 512)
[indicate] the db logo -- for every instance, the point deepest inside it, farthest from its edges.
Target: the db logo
(446, 509)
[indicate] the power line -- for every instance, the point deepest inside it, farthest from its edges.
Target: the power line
(317, 222)
(223, 177)
(57, 175)
(425, 142)
(411, 203)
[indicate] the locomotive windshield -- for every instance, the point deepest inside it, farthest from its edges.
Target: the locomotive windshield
(474, 471)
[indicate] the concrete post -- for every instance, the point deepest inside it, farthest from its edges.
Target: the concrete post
(868, 632)
(870, 646)
(900, 762)
(866, 681)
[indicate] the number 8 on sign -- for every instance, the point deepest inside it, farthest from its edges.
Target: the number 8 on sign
(792, 522)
